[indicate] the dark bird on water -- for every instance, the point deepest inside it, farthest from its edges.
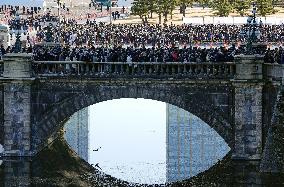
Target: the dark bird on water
(97, 149)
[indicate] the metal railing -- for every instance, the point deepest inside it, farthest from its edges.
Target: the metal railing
(224, 70)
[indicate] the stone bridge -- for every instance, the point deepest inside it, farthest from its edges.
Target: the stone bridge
(237, 99)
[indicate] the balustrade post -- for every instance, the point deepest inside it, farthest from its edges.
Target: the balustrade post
(144, 70)
(87, 71)
(184, 69)
(167, 69)
(162, 69)
(202, 69)
(127, 69)
(122, 69)
(151, 69)
(115, 68)
(220, 71)
(179, 69)
(231, 69)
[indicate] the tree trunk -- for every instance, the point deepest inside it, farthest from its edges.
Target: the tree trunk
(183, 10)
(146, 19)
(166, 17)
(160, 18)
(143, 21)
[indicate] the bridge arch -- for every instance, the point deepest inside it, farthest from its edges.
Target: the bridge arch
(202, 106)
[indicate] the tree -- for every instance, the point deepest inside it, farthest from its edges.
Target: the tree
(183, 4)
(264, 7)
(160, 9)
(204, 3)
(241, 6)
(141, 9)
(223, 7)
(152, 6)
(172, 7)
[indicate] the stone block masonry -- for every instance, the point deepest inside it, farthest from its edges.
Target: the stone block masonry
(1, 114)
(248, 121)
(17, 98)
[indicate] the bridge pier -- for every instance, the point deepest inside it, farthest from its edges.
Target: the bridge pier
(248, 107)
(17, 101)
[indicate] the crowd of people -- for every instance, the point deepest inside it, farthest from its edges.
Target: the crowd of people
(103, 42)
(149, 34)
(94, 33)
(131, 54)
(142, 54)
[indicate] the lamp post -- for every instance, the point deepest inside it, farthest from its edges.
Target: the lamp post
(17, 28)
(110, 13)
(59, 24)
(251, 31)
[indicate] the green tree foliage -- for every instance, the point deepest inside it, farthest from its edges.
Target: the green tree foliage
(164, 8)
(141, 9)
(223, 7)
(152, 5)
(241, 6)
(183, 4)
(204, 3)
(264, 7)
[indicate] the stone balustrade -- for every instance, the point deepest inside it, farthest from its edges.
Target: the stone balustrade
(136, 69)
(273, 72)
(207, 70)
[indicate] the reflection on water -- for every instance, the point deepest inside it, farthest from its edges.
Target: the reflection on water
(144, 141)
(77, 133)
(192, 146)
(57, 166)
(132, 137)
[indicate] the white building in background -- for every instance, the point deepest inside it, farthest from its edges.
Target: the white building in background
(30, 3)
(68, 3)
(77, 133)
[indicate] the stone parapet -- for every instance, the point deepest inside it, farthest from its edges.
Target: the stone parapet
(17, 65)
(249, 67)
(274, 72)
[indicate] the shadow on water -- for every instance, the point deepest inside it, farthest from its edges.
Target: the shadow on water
(58, 165)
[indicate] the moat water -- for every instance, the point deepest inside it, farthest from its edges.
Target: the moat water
(139, 141)
(144, 141)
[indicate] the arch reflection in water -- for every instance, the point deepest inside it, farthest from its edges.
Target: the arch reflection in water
(192, 146)
(145, 141)
(77, 133)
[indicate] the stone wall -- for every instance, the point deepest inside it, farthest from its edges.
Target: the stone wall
(54, 101)
(269, 100)
(1, 114)
(248, 121)
(17, 173)
(273, 154)
(17, 119)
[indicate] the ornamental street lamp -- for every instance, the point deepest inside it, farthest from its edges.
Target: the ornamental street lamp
(48, 34)
(251, 31)
(59, 20)
(17, 28)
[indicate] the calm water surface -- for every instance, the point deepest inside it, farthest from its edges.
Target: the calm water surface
(144, 141)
